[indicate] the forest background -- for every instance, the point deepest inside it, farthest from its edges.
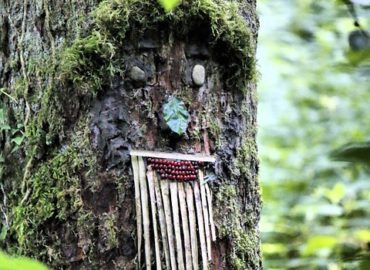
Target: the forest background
(313, 99)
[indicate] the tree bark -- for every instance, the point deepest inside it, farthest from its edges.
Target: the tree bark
(82, 83)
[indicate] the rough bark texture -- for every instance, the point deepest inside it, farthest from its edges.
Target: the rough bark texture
(66, 192)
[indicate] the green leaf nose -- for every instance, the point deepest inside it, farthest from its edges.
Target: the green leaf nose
(176, 115)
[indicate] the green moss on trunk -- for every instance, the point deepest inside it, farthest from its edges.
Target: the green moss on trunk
(69, 79)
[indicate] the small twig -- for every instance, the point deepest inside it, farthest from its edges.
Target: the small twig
(205, 214)
(210, 210)
(2, 90)
(144, 208)
(4, 206)
(150, 176)
(26, 195)
(176, 225)
(139, 224)
(193, 226)
(168, 215)
(199, 210)
(194, 157)
(185, 225)
(352, 10)
(162, 221)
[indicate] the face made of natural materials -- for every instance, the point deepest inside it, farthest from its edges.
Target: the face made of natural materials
(129, 113)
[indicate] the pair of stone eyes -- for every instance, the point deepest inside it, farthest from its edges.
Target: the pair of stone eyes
(198, 74)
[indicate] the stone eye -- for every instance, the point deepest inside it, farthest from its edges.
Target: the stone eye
(198, 75)
(137, 74)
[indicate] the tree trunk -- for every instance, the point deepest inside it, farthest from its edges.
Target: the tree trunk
(82, 83)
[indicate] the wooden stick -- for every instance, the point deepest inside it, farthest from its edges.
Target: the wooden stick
(168, 216)
(205, 214)
(193, 225)
(195, 157)
(199, 209)
(139, 224)
(162, 221)
(145, 206)
(210, 210)
(185, 225)
(176, 225)
(150, 177)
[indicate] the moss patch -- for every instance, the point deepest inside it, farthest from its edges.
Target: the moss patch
(85, 62)
(53, 193)
(232, 227)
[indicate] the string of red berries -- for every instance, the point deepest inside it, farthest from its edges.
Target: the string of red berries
(176, 170)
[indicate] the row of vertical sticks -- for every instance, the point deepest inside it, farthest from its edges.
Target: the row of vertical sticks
(181, 220)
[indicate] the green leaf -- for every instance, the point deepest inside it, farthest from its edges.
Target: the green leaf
(362, 235)
(169, 5)
(176, 115)
(337, 193)
(3, 233)
(21, 263)
(5, 127)
(320, 242)
(18, 140)
(352, 152)
(2, 116)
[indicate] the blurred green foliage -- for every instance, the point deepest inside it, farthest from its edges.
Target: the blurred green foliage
(21, 263)
(169, 5)
(314, 95)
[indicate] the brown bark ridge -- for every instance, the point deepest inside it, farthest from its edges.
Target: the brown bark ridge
(84, 82)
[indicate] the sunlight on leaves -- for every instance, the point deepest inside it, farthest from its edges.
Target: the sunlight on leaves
(273, 248)
(363, 235)
(336, 193)
(319, 243)
(21, 263)
(169, 5)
